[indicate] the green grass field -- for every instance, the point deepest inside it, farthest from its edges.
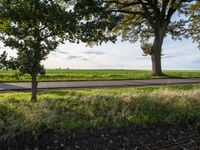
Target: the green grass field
(67, 110)
(77, 75)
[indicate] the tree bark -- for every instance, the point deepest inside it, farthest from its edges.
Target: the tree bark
(156, 61)
(156, 54)
(34, 88)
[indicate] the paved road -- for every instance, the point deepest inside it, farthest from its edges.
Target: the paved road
(21, 86)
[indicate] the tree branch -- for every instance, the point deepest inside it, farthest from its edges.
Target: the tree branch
(130, 12)
(148, 14)
(124, 4)
(164, 8)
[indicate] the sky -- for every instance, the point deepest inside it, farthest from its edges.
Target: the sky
(178, 55)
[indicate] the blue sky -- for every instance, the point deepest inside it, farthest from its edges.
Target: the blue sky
(182, 55)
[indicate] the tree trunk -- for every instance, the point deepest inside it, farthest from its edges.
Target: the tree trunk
(34, 88)
(156, 54)
(156, 62)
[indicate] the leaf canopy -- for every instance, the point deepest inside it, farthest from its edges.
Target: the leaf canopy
(36, 27)
(143, 20)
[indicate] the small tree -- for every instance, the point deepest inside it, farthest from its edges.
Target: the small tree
(34, 28)
(150, 21)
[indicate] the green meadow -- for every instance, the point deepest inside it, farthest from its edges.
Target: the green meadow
(77, 75)
(67, 110)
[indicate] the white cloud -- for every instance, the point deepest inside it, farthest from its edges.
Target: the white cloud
(94, 52)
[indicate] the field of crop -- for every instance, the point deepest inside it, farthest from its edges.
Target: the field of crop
(75, 75)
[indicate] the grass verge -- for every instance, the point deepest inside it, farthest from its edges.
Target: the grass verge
(98, 109)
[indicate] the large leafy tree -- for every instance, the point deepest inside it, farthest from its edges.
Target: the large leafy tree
(36, 27)
(150, 21)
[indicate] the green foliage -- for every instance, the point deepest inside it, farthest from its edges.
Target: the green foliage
(12, 63)
(3, 62)
(147, 48)
(95, 21)
(100, 108)
(35, 28)
(194, 26)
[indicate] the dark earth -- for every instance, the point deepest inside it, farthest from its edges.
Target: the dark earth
(154, 137)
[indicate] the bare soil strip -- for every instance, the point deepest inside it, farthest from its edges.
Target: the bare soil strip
(154, 137)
